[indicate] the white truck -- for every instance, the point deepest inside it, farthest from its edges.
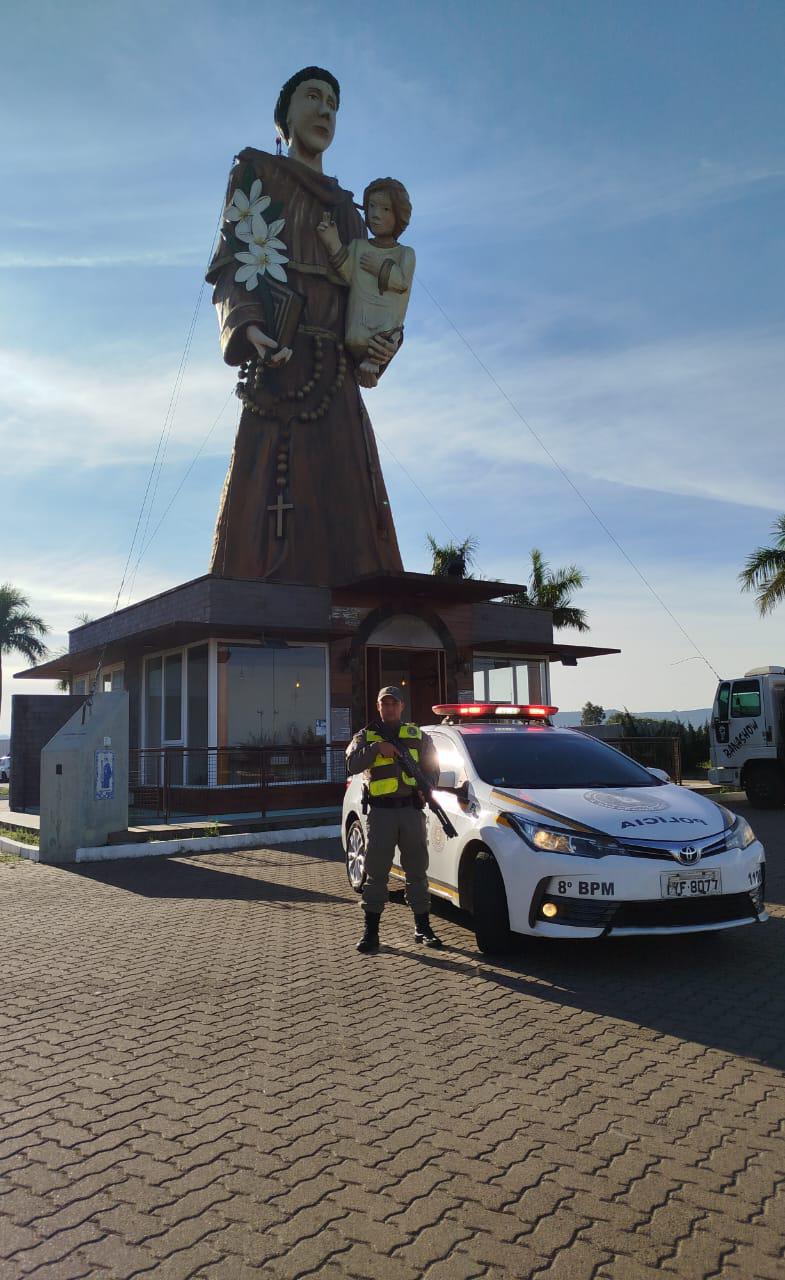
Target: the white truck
(747, 736)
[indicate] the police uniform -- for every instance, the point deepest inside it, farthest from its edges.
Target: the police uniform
(395, 818)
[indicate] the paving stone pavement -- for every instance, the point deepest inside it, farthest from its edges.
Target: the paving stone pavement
(200, 1078)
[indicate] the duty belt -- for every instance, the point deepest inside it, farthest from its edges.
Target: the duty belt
(393, 802)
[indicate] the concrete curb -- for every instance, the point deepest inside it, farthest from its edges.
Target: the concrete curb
(205, 844)
(29, 851)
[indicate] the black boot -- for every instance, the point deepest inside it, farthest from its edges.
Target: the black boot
(424, 933)
(370, 939)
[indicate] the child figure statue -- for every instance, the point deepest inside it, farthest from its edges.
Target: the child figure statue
(379, 272)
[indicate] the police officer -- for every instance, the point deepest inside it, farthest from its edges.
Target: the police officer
(395, 814)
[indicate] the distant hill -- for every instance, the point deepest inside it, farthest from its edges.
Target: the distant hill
(697, 717)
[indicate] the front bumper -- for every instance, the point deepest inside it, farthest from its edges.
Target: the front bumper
(633, 917)
(619, 895)
(723, 776)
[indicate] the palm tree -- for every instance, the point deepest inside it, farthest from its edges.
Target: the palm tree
(553, 589)
(764, 571)
(20, 630)
(452, 560)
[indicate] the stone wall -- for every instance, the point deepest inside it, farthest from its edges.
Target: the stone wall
(35, 718)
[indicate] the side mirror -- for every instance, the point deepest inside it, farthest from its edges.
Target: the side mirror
(446, 780)
(658, 773)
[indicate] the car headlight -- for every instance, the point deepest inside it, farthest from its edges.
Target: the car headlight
(741, 834)
(557, 840)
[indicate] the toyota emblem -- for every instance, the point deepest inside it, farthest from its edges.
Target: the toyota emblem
(688, 854)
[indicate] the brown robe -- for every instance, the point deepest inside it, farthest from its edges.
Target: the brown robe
(335, 522)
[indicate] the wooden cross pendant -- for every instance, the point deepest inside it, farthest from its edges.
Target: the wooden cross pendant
(278, 508)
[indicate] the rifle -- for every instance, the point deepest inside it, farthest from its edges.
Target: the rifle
(423, 784)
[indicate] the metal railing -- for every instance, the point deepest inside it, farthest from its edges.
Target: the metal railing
(164, 781)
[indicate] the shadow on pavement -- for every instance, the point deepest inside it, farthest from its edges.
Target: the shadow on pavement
(724, 990)
(176, 878)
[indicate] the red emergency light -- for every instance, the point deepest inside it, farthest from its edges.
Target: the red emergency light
(494, 710)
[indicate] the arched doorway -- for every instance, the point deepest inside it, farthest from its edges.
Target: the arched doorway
(406, 651)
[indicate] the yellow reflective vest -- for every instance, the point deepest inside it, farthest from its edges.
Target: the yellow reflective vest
(388, 776)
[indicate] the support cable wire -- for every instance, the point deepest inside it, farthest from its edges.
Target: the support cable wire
(168, 419)
(566, 477)
(185, 475)
(421, 492)
(163, 439)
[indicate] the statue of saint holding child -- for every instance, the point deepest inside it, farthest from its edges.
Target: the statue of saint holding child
(308, 309)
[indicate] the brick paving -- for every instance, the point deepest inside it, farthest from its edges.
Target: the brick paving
(200, 1078)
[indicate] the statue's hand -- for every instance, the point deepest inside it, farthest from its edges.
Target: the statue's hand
(328, 233)
(368, 375)
(382, 349)
(371, 263)
(264, 346)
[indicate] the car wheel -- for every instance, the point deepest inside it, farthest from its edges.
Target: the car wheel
(765, 786)
(491, 917)
(355, 855)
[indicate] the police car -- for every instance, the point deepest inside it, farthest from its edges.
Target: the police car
(561, 836)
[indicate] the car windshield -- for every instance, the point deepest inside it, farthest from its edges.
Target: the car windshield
(537, 758)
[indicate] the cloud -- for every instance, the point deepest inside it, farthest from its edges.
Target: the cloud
(180, 257)
(666, 415)
(540, 189)
(69, 413)
(58, 591)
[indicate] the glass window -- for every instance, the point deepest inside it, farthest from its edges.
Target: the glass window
(153, 701)
(197, 716)
(173, 697)
(80, 685)
(505, 757)
(508, 680)
(501, 683)
(745, 699)
(723, 702)
(273, 695)
(197, 696)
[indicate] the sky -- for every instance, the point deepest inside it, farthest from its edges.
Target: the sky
(594, 345)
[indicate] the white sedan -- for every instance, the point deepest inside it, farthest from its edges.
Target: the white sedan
(561, 836)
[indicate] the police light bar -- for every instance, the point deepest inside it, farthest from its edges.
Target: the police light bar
(492, 710)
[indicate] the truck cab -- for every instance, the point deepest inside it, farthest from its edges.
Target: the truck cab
(747, 736)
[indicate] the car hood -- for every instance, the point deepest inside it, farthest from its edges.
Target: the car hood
(639, 813)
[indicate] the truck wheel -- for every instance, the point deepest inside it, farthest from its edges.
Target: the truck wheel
(491, 917)
(765, 786)
(355, 856)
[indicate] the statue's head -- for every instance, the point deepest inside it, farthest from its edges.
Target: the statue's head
(387, 207)
(306, 107)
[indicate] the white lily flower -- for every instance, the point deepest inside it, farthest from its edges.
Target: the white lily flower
(243, 208)
(262, 233)
(259, 259)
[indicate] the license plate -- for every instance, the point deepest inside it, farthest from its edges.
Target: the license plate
(691, 884)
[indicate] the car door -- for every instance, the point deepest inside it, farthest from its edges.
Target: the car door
(747, 730)
(444, 850)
